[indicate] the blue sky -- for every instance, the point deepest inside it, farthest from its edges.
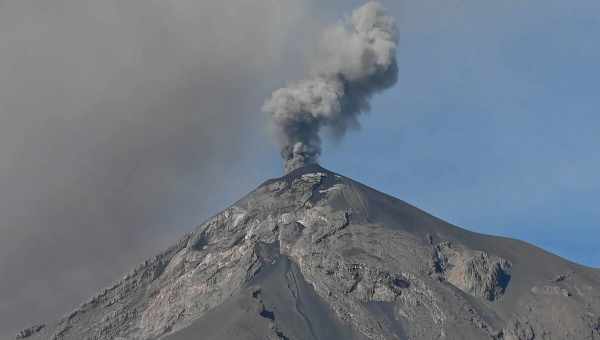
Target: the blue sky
(494, 123)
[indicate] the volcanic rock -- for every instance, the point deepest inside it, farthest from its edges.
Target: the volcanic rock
(315, 255)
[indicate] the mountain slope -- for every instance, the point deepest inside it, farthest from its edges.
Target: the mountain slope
(314, 255)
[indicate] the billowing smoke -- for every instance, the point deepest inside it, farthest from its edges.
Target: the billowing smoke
(356, 59)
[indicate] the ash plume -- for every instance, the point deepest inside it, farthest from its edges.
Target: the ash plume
(356, 59)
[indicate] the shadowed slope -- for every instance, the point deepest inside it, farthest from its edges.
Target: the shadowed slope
(277, 303)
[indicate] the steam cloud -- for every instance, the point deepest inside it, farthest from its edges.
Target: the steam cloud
(356, 59)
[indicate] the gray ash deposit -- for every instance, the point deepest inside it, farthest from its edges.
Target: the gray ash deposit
(315, 255)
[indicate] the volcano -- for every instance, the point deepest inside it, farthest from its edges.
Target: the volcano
(315, 255)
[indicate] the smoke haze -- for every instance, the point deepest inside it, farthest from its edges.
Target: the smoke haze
(120, 120)
(356, 59)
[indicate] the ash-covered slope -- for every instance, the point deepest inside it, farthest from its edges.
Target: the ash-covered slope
(314, 255)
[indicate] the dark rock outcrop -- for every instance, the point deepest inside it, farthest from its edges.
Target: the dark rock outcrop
(474, 272)
(28, 332)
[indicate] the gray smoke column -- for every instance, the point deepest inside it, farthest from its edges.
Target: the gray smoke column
(355, 59)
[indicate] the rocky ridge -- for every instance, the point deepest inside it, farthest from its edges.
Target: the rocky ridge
(352, 263)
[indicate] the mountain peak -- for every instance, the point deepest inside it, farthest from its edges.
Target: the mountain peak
(315, 255)
(299, 172)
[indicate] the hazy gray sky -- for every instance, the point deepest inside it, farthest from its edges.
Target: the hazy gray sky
(123, 124)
